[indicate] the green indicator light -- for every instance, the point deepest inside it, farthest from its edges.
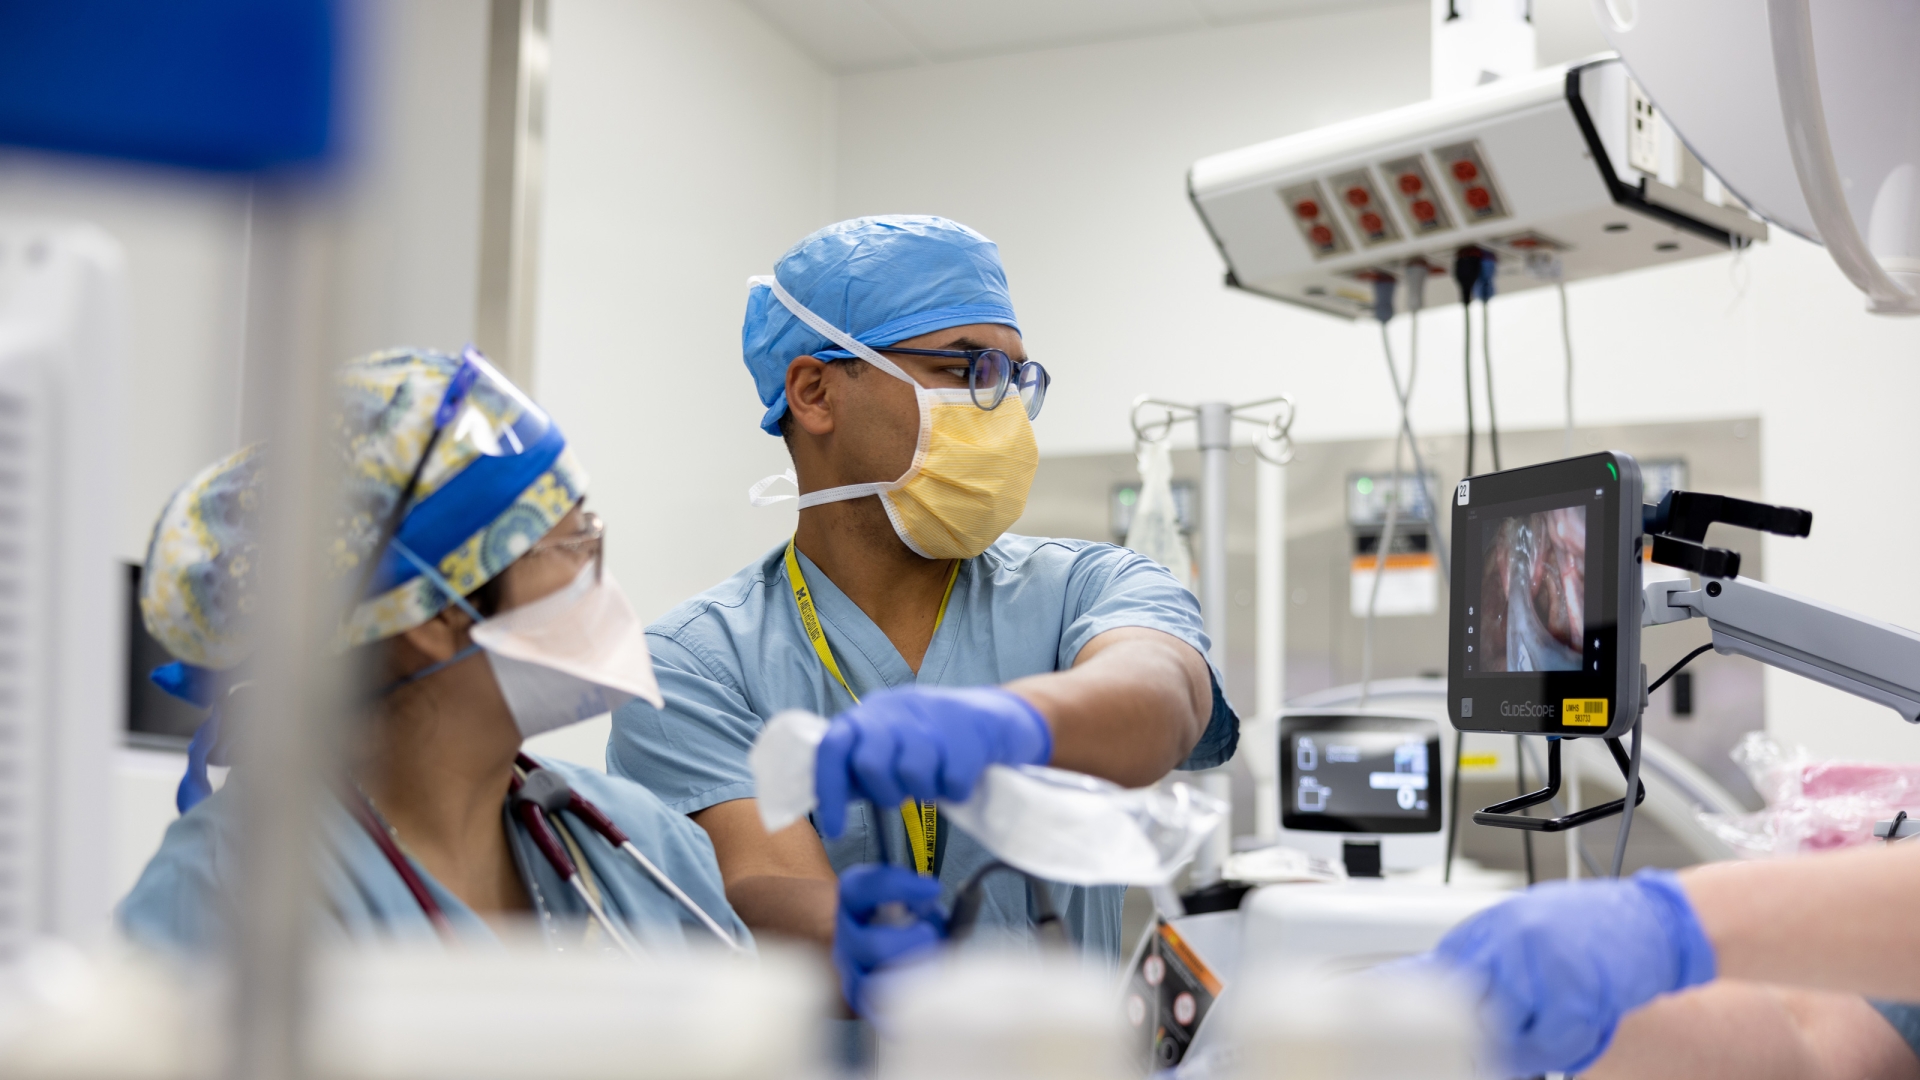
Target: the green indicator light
(1128, 496)
(1614, 471)
(1364, 485)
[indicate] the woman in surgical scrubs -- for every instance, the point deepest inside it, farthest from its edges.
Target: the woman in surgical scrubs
(485, 617)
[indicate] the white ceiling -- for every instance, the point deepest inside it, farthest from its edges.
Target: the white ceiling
(870, 35)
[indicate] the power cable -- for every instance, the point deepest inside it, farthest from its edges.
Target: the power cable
(1633, 788)
(1633, 764)
(1453, 812)
(1520, 788)
(1466, 276)
(1486, 358)
(1384, 546)
(1566, 341)
(1675, 669)
(1413, 443)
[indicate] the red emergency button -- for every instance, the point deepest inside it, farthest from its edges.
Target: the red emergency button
(1358, 196)
(1478, 198)
(1308, 209)
(1423, 210)
(1465, 171)
(1322, 235)
(1410, 183)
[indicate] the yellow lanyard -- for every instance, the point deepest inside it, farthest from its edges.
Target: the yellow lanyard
(921, 819)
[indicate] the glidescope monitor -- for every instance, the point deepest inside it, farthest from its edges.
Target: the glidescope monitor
(1544, 634)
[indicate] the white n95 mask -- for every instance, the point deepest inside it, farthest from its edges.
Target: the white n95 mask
(971, 470)
(1053, 824)
(570, 656)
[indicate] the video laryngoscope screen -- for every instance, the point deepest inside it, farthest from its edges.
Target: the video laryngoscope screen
(1546, 598)
(1359, 773)
(1533, 591)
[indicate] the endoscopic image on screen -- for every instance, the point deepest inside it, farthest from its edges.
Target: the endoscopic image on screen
(1533, 591)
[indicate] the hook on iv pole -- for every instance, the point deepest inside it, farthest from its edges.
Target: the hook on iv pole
(1276, 430)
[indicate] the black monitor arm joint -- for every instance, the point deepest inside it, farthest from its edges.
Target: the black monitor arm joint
(1677, 527)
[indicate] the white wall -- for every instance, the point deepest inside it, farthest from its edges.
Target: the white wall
(689, 146)
(1074, 161)
(413, 226)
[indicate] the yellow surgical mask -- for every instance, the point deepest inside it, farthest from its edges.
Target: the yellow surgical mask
(971, 470)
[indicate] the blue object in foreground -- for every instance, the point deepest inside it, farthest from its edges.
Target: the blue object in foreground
(925, 743)
(866, 940)
(228, 85)
(1557, 967)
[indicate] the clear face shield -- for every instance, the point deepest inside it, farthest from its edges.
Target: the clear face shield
(484, 411)
(494, 440)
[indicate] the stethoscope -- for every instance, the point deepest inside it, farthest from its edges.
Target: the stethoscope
(535, 793)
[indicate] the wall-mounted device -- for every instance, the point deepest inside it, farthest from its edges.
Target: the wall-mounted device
(1563, 174)
(1364, 786)
(1410, 574)
(61, 661)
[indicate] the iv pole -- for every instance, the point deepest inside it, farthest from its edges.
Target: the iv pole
(1214, 421)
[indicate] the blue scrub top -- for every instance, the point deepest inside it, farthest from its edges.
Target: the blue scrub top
(184, 898)
(735, 655)
(1905, 1019)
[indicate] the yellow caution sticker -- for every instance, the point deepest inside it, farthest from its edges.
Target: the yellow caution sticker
(1584, 712)
(1479, 762)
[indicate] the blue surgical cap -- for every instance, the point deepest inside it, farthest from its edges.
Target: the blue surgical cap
(881, 279)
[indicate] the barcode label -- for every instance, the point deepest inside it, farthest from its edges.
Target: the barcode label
(1584, 712)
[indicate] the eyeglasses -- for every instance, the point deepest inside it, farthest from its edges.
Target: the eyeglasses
(991, 371)
(588, 543)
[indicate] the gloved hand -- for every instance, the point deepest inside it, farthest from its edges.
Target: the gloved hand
(922, 743)
(866, 939)
(1557, 967)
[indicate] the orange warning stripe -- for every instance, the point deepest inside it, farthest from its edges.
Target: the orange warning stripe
(1191, 959)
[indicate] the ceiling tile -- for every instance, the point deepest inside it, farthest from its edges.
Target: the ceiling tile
(951, 30)
(1239, 11)
(842, 35)
(869, 35)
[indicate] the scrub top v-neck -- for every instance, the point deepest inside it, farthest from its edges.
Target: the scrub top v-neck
(732, 657)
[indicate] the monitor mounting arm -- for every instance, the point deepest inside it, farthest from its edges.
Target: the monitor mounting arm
(1864, 657)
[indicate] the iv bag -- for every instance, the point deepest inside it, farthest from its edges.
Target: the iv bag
(1054, 824)
(1155, 529)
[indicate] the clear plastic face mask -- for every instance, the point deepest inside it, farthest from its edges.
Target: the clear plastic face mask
(488, 413)
(1056, 825)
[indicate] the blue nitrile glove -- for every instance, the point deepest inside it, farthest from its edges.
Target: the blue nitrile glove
(922, 743)
(1558, 966)
(203, 687)
(866, 939)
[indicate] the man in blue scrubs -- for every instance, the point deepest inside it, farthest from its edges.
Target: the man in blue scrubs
(887, 353)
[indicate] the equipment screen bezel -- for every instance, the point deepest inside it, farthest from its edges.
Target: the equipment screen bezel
(1293, 725)
(1531, 703)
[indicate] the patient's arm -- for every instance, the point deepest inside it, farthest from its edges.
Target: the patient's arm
(1751, 1031)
